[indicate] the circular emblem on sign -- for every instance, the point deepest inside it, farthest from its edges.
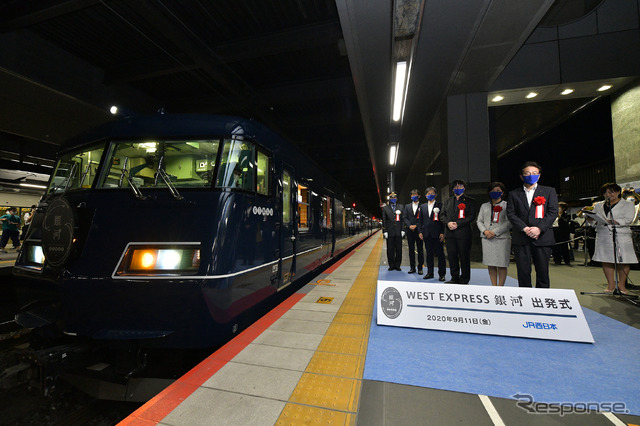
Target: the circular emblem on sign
(57, 232)
(391, 302)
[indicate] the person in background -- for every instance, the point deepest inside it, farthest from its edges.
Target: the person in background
(494, 229)
(392, 230)
(561, 233)
(10, 229)
(411, 216)
(618, 214)
(432, 233)
(589, 235)
(531, 209)
(27, 217)
(457, 214)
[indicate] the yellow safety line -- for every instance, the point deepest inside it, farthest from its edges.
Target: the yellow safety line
(329, 390)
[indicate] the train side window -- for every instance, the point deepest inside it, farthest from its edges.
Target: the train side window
(237, 167)
(326, 213)
(263, 173)
(286, 197)
(76, 170)
(303, 207)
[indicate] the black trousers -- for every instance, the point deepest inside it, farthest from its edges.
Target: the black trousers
(394, 251)
(10, 234)
(415, 244)
(540, 255)
(435, 247)
(459, 254)
(561, 252)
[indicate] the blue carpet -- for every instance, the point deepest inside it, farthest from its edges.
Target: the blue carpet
(550, 371)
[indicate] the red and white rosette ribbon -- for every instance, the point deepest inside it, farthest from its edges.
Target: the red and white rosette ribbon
(539, 202)
(398, 213)
(496, 214)
(436, 210)
(461, 208)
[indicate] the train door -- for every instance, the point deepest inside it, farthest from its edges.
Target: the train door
(328, 221)
(289, 228)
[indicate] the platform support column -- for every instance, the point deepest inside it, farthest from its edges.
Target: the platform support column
(625, 110)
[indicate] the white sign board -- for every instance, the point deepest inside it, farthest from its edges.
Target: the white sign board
(536, 313)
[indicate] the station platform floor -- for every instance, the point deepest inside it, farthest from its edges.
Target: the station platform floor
(320, 358)
(7, 260)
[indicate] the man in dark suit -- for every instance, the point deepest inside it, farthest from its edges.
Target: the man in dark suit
(531, 209)
(392, 225)
(432, 233)
(457, 215)
(411, 216)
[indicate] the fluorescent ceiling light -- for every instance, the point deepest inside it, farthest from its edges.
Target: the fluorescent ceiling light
(393, 155)
(532, 95)
(605, 87)
(398, 91)
(497, 98)
(567, 92)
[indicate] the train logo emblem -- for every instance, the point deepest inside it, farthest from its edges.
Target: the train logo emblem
(391, 303)
(58, 232)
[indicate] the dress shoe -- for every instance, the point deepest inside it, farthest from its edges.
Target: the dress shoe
(464, 282)
(412, 271)
(398, 269)
(391, 268)
(419, 271)
(428, 276)
(453, 281)
(442, 278)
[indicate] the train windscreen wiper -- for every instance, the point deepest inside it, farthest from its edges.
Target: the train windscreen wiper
(125, 171)
(84, 175)
(167, 180)
(67, 181)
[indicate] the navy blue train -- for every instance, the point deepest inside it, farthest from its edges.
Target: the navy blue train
(166, 230)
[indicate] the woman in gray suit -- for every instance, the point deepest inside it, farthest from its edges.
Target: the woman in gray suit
(494, 232)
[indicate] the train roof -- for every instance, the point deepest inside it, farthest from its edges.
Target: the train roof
(174, 125)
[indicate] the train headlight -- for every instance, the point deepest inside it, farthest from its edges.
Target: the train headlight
(159, 260)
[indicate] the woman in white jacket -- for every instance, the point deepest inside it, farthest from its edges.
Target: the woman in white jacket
(494, 231)
(614, 213)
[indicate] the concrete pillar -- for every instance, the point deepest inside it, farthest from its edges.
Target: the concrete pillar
(625, 110)
(469, 153)
(469, 150)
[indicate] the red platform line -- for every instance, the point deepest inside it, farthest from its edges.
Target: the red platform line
(158, 407)
(335, 266)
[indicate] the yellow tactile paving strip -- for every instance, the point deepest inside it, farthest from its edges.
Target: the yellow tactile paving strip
(329, 390)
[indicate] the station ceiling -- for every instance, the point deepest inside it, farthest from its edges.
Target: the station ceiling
(319, 72)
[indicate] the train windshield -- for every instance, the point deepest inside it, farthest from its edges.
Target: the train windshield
(187, 163)
(76, 170)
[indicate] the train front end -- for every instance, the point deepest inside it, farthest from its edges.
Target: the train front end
(139, 237)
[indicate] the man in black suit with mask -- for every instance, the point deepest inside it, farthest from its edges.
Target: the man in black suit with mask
(392, 225)
(457, 215)
(531, 209)
(411, 216)
(432, 233)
